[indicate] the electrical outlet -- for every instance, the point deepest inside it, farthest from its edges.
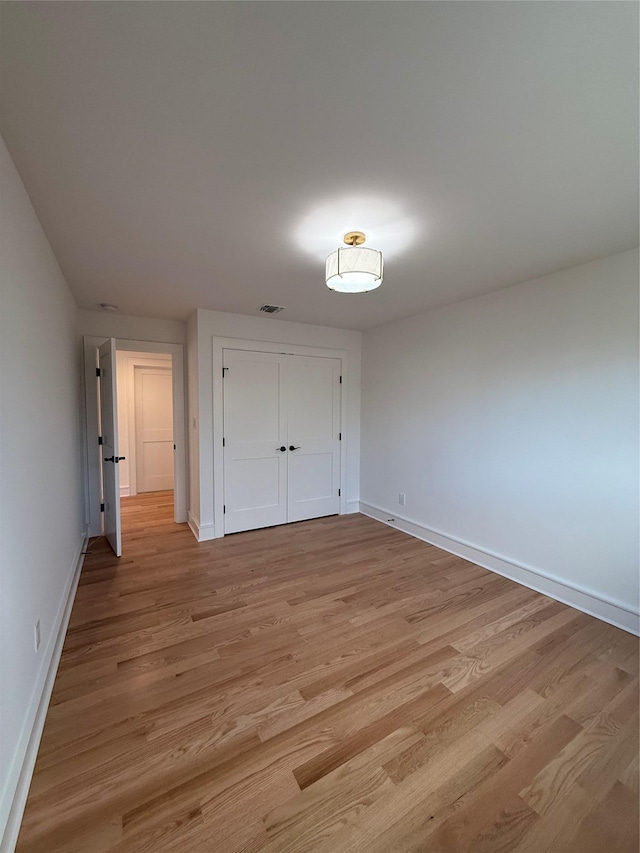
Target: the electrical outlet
(402, 498)
(36, 635)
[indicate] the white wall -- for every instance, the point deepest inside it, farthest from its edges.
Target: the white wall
(209, 324)
(510, 421)
(109, 324)
(41, 518)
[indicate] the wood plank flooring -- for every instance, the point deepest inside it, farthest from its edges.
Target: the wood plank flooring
(332, 686)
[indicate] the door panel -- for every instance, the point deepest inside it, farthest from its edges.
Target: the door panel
(313, 477)
(153, 393)
(109, 432)
(255, 485)
(313, 407)
(252, 389)
(255, 470)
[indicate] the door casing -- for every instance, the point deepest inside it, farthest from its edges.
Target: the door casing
(93, 515)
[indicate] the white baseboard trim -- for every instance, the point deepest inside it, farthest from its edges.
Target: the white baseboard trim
(21, 771)
(193, 525)
(202, 532)
(125, 492)
(353, 506)
(614, 612)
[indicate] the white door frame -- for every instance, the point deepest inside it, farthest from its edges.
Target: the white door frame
(92, 470)
(220, 344)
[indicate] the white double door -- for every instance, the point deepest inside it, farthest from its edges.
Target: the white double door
(281, 438)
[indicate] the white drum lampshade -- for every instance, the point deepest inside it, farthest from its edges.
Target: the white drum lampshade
(355, 269)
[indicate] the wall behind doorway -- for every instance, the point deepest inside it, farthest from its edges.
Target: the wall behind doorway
(127, 362)
(107, 324)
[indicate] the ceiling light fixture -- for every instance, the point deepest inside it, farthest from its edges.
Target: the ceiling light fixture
(106, 306)
(355, 269)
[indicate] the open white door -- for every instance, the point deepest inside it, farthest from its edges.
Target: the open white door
(110, 458)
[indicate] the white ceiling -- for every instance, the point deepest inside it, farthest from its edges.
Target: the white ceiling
(184, 155)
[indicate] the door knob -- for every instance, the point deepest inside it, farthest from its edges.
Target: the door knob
(109, 458)
(281, 449)
(291, 447)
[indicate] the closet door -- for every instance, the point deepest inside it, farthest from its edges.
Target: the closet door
(281, 438)
(313, 436)
(255, 436)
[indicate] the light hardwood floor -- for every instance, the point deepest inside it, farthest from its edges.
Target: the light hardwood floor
(334, 686)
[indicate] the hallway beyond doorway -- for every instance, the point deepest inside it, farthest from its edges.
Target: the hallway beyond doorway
(146, 512)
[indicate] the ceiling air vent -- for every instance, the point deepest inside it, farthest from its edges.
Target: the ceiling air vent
(272, 309)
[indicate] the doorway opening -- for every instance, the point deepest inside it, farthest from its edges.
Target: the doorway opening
(135, 430)
(145, 422)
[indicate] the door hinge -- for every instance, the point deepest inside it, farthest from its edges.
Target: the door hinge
(339, 492)
(98, 371)
(224, 508)
(339, 436)
(99, 439)
(224, 442)
(101, 507)
(224, 370)
(341, 380)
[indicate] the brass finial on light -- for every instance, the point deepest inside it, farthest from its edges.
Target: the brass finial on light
(354, 238)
